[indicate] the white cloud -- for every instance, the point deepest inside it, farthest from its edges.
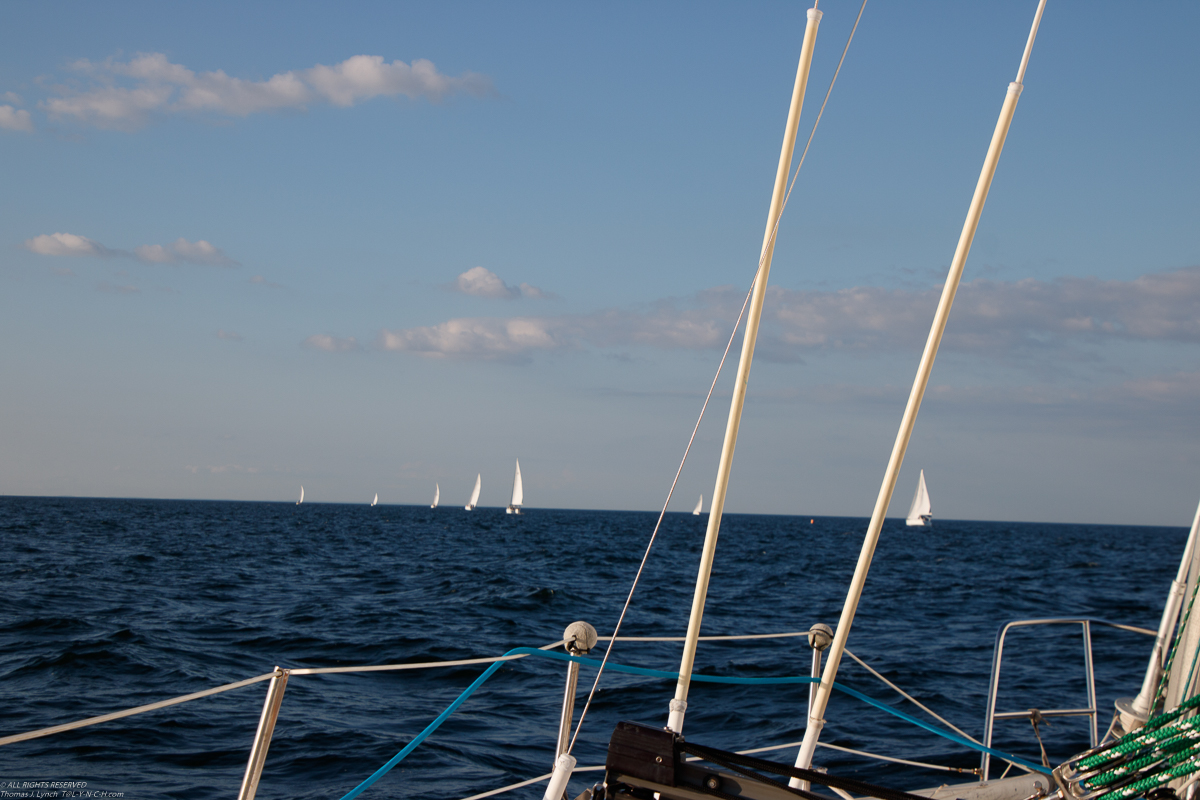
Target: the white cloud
(199, 252)
(67, 244)
(124, 95)
(109, 106)
(12, 97)
(989, 318)
(482, 282)
(331, 344)
(482, 338)
(363, 77)
(216, 91)
(15, 119)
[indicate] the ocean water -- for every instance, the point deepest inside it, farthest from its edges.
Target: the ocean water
(109, 604)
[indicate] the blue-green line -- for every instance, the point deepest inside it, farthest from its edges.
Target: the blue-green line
(659, 673)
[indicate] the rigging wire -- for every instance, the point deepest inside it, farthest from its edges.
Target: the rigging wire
(737, 324)
(645, 556)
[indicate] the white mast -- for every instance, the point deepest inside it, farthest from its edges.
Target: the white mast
(817, 708)
(679, 704)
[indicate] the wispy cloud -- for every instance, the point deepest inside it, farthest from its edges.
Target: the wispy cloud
(124, 95)
(994, 317)
(199, 252)
(331, 344)
(229, 336)
(1166, 393)
(179, 251)
(259, 280)
(990, 318)
(482, 282)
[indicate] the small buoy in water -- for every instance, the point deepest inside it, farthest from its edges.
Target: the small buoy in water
(810, 522)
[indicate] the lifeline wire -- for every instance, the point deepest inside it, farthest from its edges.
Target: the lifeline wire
(774, 231)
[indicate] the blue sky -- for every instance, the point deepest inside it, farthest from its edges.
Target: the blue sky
(245, 247)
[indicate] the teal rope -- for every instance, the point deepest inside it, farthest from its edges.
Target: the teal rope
(658, 673)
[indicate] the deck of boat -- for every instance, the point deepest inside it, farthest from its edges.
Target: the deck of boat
(1018, 787)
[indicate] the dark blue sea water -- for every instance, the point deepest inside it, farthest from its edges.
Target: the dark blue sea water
(108, 604)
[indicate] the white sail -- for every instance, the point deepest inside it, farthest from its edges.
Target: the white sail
(437, 495)
(301, 500)
(919, 512)
(699, 505)
(474, 494)
(376, 500)
(518, 493)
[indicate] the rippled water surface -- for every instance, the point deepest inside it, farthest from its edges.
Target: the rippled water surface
(109, 604)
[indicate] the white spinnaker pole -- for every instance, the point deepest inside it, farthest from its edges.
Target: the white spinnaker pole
(817, 710)
(679, 704)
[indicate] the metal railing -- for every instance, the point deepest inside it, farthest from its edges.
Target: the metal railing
(1090, 711)
(278, 683)
(279, 679)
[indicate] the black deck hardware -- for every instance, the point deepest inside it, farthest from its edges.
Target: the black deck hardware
(640, 751)
(644, 761)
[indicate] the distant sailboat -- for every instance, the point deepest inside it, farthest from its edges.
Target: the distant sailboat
(919, 512)
(437, 495)
(699, 505)
(518, 495)
(301, 500)
(376, 500)
(474, 495)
